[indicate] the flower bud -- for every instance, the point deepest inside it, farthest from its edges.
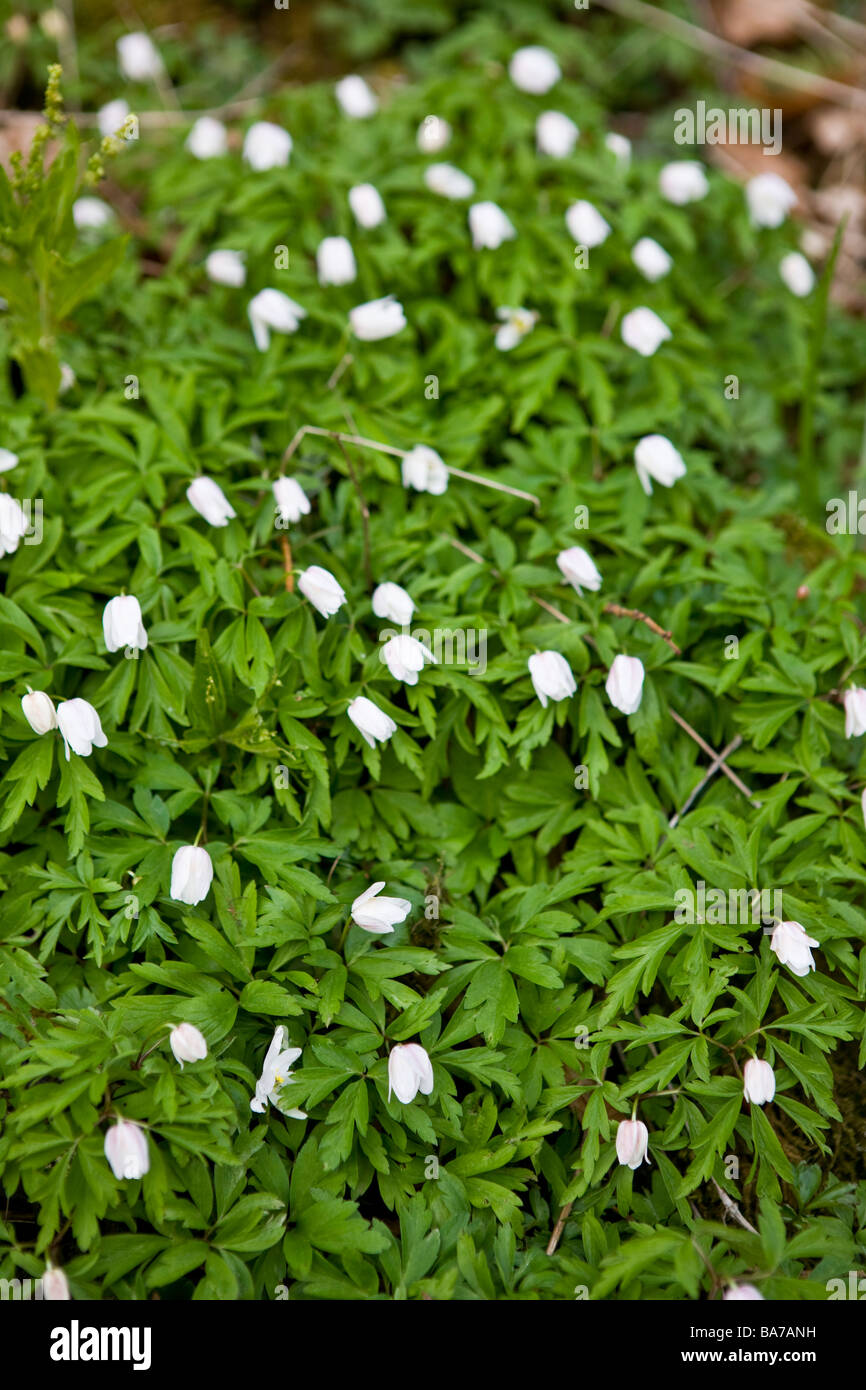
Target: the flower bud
(379, 914)
(551, 676)
(534, 69)
(122, 625)
(555, 134)
(489, 226)
(652, 260)
(643, 330)
(579, 568)
(624, 684)
(683, 181)
(449, 182)
(191, 875)
(409, 1071)
(209, 500)
(586, 224)
(632, 1138)
(126, 1150)
(273, 310)
(138, 59)
(79, 724)
(372, 723)
(291, 499)
(267, 146)
(335, 261)
(759, 1082)
(656, 459)
(356, 98)
(377, 319)
(39, 711)
(207, 139)
(187, 1043)
(55, 1285)
(226, 268)
(405, 657)
(392, 602)
(424, 470)
(742, 1293)
(433, 135)
(854, 701)
(797, 274)
(790, 944)
(770, 199)
(367, 207)
(322, 589)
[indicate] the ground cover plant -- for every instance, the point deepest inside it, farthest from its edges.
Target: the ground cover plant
(432, 725)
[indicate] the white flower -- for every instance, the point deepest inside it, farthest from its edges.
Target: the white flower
(683, 181)
(79, 724)
(321, 588)
(551, 677)
(449, 182)
(138, 59)
(652, 260)
(656, 458)
(88, 213)
(208, 138)
(409, 1071)
(632, 1138)
(424, 470)
(366, 203)
(489, 226)
(759, 1082)
(391, 601)
(13, 523)
(555, 134)
(579, 568)
(267, 146)
(292, 502)
(335, 261)
(619, 146)
(372, 723)
(624, 684)
(855, 711)
(378, 318)
(355, 97)
(111, 116)
(126, 1150)
(209, 500)
(39, 711)
(187, 1044)
(122, 625)
(271, 309)
(643, 330)
(797, 274)
(433, 134)
(55, 1285)
(379, 915)
(742, 1293)
(226, 268)
(791, 944)
(67, 378)
(275, 1073)
(534, 69)
(7, 460)
(515, 326)
(586, 224)
(770, 199)
(191, 875)
(405, 656)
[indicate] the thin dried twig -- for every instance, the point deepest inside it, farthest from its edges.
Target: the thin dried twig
(663, 633)
(710, 772)
(559, 1228)
(732, 1210)
(740, 785)
(287, 562)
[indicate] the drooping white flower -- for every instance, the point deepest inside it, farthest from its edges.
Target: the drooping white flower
(292, 502)
(579, 568)
(759, 1082)
(405, 657)
(552, 677)
(377, 319)
(67, 379)
(555, 134)
(356, 98)
(433, 135)
(652, 260)
(515, 326)
(770, 199)
(656, 459)
(854, 701)
(632, 1139)
(449, 182)
(79, 724)
(619, 146)
(111, 116)
(187, 1043)
(122, 625)
(7, 460)
(39, 711)
(586, 224)
(209, 500)
(534, 69)
(13, 523)
(272, 310)
(742, 1293)
(276, 1072)
(424, 470)
(624, 684)
(138, 59)
(409, 1071)
(90, 213)
(378, 914)
(191, 875)
(797, 274)
(335, 261)
(226, 268)
(489, 226)
(55, 1285)
(208, 138)
(367, 207)
(126, 1150)
(790, 944)
(322, 589)
(643, 330)
(267, 146)
(372, 723)
(683, 181)
(392, 602)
